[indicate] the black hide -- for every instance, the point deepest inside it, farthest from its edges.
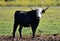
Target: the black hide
(25, 19)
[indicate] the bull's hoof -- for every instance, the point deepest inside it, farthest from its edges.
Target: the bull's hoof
(32, 37)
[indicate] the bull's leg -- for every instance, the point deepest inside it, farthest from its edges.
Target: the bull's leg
(14, 29)
(33, 31)
(20, 29)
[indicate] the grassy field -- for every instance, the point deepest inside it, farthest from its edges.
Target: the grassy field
(49, 24)
(30, 3)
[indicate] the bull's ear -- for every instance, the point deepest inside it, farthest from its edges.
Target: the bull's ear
(43, 11)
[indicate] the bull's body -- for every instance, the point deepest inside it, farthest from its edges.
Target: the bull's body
(27, 19)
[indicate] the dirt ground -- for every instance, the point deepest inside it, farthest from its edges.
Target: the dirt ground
(28, 38)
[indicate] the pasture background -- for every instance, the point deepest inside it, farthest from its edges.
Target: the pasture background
(30, 2)
(49, 24)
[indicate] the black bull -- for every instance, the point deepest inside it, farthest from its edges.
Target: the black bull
(26, 19)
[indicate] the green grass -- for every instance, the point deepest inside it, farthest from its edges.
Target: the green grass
(30, 3)
(49, 24)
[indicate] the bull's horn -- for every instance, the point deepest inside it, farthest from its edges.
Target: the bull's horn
(46, 8)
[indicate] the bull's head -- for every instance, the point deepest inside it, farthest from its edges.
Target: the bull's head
(40, 11)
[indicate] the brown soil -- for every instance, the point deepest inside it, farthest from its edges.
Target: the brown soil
(27, 38)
